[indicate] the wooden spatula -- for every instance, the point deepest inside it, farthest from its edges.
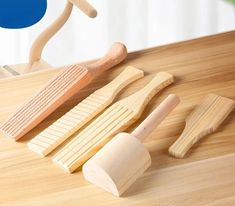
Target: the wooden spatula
(64, 85)
(73, 120)
(115, 119)
(124, 158)
(205, 119)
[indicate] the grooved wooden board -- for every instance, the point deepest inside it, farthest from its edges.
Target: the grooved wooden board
(205, 177)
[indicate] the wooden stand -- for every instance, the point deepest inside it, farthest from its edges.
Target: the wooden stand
(36, 63)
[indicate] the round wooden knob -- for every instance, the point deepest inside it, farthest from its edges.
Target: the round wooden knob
(118, 164)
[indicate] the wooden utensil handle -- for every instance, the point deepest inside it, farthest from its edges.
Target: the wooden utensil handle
(129, 75)
(156, 117)
(140, 99)
(186, 140)
(116, 54)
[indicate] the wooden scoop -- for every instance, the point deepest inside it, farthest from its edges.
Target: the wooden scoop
(73, 120)
(205, 119)
(124, 159)
(115, 119)
(63, 86)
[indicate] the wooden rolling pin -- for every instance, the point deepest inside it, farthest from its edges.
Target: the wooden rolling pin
(112, 121)
(124, 159)
(82, 113)
(63, 86)
(204, 120)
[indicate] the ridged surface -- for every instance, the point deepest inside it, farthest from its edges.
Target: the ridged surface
(121, 115)
(86, 143)
(42, 100)
(69, 123)
(204, 120)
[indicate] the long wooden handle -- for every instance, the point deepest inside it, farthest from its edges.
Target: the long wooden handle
(116, 54)
(45, 36)
(156, 117)
(129, 75)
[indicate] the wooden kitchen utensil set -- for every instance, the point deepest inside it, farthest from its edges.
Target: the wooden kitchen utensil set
(63, 86)
(114, 120)
(116, 162)
(77, 117)
(93, 128)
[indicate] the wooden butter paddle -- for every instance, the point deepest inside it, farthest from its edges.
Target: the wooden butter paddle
(63, 86)
(204, 120)
(114, 120)
(73, 120)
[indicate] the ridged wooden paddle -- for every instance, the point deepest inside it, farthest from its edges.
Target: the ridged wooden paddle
(204, 120)
(114, 120)
(63, 86)
(124, 158)
(78, 116)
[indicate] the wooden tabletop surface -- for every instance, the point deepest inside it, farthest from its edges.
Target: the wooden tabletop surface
(205, 177)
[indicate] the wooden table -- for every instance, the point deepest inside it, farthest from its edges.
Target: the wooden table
(205, 177)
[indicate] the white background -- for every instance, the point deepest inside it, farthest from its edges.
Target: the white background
(137, 23)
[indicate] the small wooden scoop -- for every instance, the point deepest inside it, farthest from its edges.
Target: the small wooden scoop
(205, 119)
(63, 86)
(124, 159)
(72, 121)
(114, 120)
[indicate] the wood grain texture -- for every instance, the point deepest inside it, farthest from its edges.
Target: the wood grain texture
(200, 66)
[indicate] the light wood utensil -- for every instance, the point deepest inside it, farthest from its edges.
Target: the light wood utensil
(115, 119)
(82, 113)
(63, 86)
(36, 63)
(204, 120)
(124, 159)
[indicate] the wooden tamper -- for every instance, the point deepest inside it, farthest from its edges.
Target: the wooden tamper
(124, 159)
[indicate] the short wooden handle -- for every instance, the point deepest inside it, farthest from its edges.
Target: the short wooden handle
(185, 142)
(84, 6)
(140, 99)
(116, 54)
(127, 76)
(156, 117)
